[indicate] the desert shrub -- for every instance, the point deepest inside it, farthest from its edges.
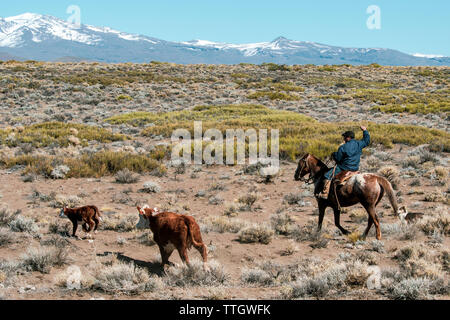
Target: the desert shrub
(125, 176)
(7, 216)
(307, 232)
(55, 241)
(256, 233)
(8, 271)
(124, 278)
(438, 174)
(320, 284)
(223, 225)
(6, 237)
(231, 209)
(256, 277)
(357, 273)
(383, 156)
(59, 227)
(146, 238)
(62, 201)
(23, 224)
(43, 259)
(411, 289)
(217, 186)
(425, 155)
(151, 187)
(195, 275)
(391, 173)
(435, 196)
(315, 287)
(377, 246)
(319, 242)
(408, 232)
(439, 222)
(120, 223)
(293, 198)
(282, 223)
(373, 163)
(411, 161)
(248, 200)
(416, 261)
(216, 200)
(290, 249)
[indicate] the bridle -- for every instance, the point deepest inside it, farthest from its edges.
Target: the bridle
(311, 178)
(305, 165)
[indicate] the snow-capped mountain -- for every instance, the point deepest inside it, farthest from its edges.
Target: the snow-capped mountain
(43, 37)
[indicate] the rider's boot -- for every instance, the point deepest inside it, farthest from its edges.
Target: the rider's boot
(326, 190)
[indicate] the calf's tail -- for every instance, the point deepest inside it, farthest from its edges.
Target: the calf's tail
(98, 213)
(191, 226)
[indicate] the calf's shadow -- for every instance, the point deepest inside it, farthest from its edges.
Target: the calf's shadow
(152, 267)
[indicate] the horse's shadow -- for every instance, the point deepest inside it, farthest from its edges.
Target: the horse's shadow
(152, 267)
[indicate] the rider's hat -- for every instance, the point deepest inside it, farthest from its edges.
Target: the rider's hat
(349, 134)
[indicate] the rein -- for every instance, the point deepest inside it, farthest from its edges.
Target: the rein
(310, 180)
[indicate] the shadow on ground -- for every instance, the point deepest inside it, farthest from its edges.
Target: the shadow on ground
(152, 267)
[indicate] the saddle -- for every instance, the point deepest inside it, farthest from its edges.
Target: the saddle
(342, 178)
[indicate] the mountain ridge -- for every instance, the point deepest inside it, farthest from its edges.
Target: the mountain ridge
(42, 37)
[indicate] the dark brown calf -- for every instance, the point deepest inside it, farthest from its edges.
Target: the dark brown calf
(89, 216)
(173, 231)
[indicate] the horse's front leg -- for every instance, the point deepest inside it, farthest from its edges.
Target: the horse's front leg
(322, 209)
(337, 221)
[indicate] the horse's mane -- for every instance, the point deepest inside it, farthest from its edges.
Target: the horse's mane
(320, 163)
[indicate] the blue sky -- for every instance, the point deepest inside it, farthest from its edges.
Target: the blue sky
(407, 25)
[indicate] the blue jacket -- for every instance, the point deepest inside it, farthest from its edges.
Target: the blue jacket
(348, 156)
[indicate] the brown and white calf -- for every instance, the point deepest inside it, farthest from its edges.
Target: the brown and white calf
(173, 231)
(88, 216)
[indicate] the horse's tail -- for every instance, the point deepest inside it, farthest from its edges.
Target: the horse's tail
(387, 186)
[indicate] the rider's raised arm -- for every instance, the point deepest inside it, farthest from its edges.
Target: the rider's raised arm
(366, 140)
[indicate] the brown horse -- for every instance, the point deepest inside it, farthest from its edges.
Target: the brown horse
(367, 189)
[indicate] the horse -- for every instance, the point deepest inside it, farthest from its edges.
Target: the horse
(367, 189)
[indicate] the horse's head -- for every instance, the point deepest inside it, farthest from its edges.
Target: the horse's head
(303, 168)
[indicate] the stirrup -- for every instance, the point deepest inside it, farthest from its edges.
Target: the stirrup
(323, 196)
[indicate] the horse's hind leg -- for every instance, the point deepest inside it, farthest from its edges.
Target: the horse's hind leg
(374, 217)
(337, 221)
(369, 226)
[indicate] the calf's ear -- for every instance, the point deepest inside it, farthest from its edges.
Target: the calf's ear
(141, 212)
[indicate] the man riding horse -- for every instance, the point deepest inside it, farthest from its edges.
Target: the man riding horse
(348, 158)
(366, 189)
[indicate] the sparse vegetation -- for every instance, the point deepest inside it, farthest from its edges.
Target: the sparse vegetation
(123, 278)
(256, 233)
(46, 134)
(77, 134)
(195, 275)
(317, 138)
(44, 258)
